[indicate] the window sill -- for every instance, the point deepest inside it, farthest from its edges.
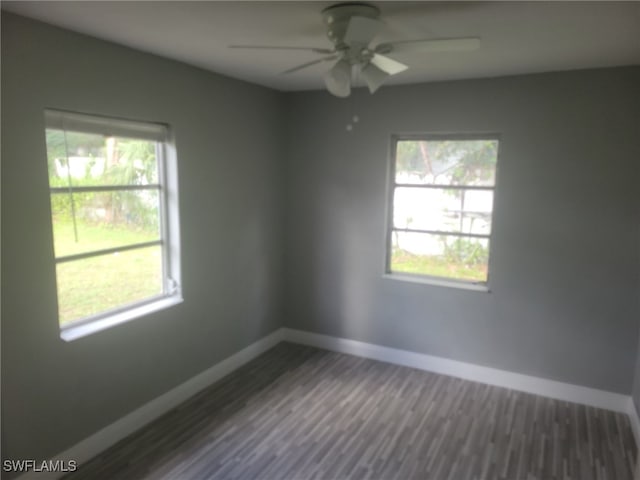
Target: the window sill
(73, 332)
(438, 282)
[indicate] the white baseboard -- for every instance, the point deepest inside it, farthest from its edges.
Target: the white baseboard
(492, 376)
(108, 436)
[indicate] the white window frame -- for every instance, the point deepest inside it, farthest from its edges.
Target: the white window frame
(167, 188)
(392, 185)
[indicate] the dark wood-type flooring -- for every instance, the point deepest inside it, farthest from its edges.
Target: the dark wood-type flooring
(298, 412)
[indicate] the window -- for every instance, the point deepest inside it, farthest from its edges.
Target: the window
(114, 215)
(441, 209)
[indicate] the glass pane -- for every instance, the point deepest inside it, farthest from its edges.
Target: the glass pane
(447, 256)
(446, 162)
(85, 222)
(88, 159)
(446, 210)
(95, 285)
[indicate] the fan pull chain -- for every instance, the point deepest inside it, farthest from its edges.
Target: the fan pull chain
(355, 118)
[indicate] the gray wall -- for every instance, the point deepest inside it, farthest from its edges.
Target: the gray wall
(564, 257)
(229, 140)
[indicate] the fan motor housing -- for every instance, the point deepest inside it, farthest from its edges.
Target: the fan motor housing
(337, 17)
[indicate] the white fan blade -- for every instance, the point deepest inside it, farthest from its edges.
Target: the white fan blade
(442, 45)
(373, 76)
(361, 30)
(308, 64)
(262, 47)
(388, 65)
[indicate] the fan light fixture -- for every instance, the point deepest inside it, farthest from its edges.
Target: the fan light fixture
(338, 79)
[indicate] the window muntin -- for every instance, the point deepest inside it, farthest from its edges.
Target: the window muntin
(114, 220)
(441, 207)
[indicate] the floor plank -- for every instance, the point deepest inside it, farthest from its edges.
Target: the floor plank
(298, 412)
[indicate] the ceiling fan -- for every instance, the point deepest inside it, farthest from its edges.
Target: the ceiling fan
(352, 27)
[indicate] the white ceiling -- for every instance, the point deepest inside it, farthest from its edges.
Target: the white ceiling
(517, 37)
